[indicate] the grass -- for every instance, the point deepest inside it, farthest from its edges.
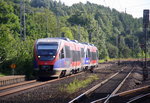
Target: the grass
(115, 59)
(102, 61)
(77, 84)
(1, 75)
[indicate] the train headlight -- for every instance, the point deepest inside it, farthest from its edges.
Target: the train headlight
(39, 56)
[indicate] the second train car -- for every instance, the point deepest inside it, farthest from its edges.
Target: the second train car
(57, 57)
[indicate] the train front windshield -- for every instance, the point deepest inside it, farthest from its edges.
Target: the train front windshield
(47, 52)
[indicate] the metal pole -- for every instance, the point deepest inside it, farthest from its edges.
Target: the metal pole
(13, 71)
(47, 26)
(58, 24)
(90, 37)
(132, 47)
(145, 69)
(118, 49)
(146, 21)
(79, 33)
(146, 47)
(24, 23)
(20, 18)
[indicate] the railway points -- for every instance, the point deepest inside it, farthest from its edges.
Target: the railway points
(100, 87)
(106, 95)
(131, 96)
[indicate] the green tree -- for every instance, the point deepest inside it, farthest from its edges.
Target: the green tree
(67, 32)
(112, 50)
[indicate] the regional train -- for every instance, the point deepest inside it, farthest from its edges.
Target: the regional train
(58, 57)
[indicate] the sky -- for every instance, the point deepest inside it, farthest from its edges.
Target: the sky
(133, 7)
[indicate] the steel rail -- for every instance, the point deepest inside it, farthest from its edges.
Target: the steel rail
(119, 86)
(137, 98)
(17, 84)
(134, 92)
(2, 94)
(80, 97)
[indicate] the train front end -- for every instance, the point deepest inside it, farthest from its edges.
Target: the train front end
(46, 54)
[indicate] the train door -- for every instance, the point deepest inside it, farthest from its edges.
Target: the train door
(62, 54)
(61, 58)
(67, 56)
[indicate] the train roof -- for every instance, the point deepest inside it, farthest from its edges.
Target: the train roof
(88, 44)
(60, 39)
(56, 39)
(75, 41)
(52, 39)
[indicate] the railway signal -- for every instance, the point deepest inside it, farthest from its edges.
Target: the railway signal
(146, 21)
(13, 66)
(146, 18)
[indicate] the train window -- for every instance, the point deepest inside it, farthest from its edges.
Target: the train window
(68, 53)
(76, 55)
(47, 51)
(89, 54)
(79, 55)
(96, 54)
(82, 52)
(62, 54)
(93, 55)
(86, 54)
(47, 46)
(73, 56)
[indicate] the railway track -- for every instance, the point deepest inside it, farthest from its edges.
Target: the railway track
(11, 90)
(138, 95)
(19, 87)
(50, 92)
(105, 90)
(140, 98)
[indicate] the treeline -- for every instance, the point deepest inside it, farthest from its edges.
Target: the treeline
(110, 30)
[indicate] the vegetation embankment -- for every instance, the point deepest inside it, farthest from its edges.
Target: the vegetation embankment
(77, 84)
(1, 75)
